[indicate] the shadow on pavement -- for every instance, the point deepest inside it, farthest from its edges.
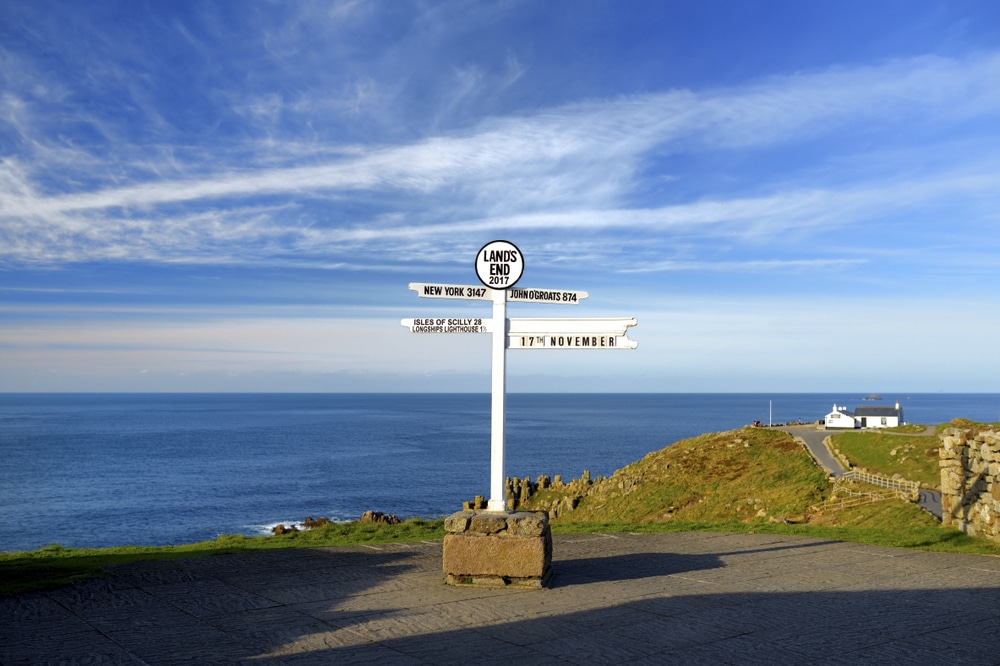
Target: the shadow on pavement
(788, 601)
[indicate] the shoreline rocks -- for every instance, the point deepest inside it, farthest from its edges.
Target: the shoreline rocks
(311, 523)
(379, 517)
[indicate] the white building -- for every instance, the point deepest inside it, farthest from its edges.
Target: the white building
(840, 418)
(867, 416)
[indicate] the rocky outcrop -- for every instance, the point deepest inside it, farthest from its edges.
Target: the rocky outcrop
(519, 492)
(308, 524)
(379, 517)
(970, 481)
(311, 523)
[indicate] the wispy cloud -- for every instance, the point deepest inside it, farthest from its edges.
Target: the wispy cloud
(747, 266)
(571, 167)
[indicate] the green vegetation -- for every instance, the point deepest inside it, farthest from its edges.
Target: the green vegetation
(54, 566)
(913, 457)
(743, 475)
(908, 429)
(867, 524)
(974, 427)
(744, 480)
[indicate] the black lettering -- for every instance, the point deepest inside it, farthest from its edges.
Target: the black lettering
(508, 256)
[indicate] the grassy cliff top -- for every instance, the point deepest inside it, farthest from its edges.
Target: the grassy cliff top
(750, 479)
(715, 477)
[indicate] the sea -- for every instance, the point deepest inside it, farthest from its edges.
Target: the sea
(95, 470)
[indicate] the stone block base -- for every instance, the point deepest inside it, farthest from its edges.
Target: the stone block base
(497, 549)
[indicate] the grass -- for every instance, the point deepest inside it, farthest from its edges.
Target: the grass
(908, 429)
(913, 457)
(925, 537)
(748, 480)
(740, 475)
(54, 566)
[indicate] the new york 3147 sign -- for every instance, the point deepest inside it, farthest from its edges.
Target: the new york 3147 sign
(499, 266)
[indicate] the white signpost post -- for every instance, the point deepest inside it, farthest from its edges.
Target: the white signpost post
(493, 547)
(499, 265)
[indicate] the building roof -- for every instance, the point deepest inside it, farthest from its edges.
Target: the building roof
(840, 410)
(876, 410)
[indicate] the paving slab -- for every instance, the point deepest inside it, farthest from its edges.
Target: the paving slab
(686, 598)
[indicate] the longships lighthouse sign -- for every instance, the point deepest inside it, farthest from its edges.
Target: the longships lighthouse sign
(499, 266)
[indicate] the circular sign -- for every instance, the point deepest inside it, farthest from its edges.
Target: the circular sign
(499, 264)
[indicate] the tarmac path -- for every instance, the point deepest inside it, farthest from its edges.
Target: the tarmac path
(930, 500)
(686, 598)
(813, 439)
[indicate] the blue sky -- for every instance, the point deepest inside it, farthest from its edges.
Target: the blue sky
(233, 196)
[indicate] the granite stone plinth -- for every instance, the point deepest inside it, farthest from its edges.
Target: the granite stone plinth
(497, 549)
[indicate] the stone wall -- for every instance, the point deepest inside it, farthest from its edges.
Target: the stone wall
(970, 481)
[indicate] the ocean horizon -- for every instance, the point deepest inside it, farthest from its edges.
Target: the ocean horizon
(107, 469)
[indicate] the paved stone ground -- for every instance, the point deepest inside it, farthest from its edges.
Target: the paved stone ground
(688, 598)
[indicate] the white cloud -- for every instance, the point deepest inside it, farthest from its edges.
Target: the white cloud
(571, 167)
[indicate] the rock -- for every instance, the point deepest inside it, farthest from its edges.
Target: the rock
(379, 517)
(970, 480)
(281, 529)
(528, 524)
(488, 523)
(313, 523)
(458, 522)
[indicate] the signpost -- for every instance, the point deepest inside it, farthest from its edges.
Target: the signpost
(479, 293)
(499, 266)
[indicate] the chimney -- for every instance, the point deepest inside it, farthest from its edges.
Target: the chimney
(897, 405)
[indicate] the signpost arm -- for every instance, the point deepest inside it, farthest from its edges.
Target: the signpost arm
(498, 412)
